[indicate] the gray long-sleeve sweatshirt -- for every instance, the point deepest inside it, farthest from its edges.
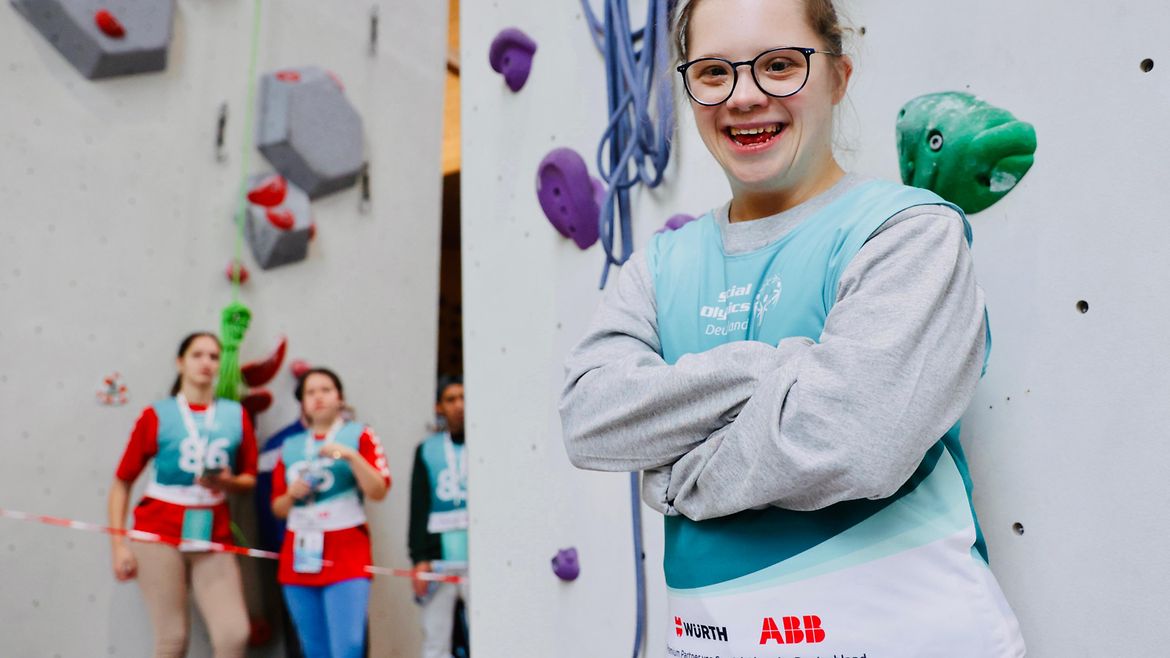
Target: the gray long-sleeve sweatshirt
(800, 425)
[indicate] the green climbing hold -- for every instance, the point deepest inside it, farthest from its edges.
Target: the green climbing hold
(235, 320)
(964, 149)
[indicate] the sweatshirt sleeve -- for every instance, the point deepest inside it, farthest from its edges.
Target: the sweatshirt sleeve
(896, 366)
(623, 408)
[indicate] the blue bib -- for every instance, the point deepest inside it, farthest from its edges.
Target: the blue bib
(181, 457)
(706, 298)
(335, 477)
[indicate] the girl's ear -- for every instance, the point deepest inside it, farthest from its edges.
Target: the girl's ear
(844, 68)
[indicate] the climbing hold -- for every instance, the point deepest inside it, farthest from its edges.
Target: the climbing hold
(299, 367)
(511, 56)
(259, 632)
(279, 235)
(309, 131)
(109, 24)
(257, 402)
(259, 373)
(113, 392)
(565, 564)
(676, 222)
(270, 192)
(97, 42)
(236, 270)
(568, 196)
(281, 218)
(966, 150)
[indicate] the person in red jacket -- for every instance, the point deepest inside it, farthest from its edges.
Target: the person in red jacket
(203, 448)
(320, 482)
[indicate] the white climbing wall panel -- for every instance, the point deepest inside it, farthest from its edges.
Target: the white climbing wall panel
(1065, 437)
(114, 234)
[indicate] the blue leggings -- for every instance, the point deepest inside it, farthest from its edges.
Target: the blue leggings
(330, 620)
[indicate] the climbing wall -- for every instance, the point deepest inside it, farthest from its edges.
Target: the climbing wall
(116, 231)
(1064, 435)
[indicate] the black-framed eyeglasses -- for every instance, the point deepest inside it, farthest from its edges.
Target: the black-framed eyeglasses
(779, 72)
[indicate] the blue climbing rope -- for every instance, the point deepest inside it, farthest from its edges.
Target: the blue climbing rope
(635, 147)
(639, 565)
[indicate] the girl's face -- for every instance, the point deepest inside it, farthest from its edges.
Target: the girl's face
(200, 363)
(800, 148)
(321, 401)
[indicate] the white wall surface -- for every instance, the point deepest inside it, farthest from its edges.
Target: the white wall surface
(1065, 436)
(114, 233)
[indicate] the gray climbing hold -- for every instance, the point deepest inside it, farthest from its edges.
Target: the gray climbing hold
(105, 38)
(279, 232)
(309, 131)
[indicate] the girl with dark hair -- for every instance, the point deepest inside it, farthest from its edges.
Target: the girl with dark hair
(319, 484)
(788, 372)
(203, 448)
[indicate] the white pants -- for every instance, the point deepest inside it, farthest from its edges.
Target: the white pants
(438, 618)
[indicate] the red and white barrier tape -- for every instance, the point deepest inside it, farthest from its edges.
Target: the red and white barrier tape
(210, 546)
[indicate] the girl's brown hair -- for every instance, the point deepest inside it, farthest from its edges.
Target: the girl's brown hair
(821, 16)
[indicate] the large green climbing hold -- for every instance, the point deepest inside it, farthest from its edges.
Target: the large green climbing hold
(235, 321)
(964, 149)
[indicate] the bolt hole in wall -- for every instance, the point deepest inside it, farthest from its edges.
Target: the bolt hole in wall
(1147, 65)
(1018, 528)
(1083, 306)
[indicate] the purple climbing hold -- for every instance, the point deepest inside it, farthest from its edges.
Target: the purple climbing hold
(568, 196)
(511, 55)
(565, 564)
(676, 222)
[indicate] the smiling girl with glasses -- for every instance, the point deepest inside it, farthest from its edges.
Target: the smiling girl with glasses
(789, 371)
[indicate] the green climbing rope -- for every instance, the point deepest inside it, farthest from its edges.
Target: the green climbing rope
(236, 317)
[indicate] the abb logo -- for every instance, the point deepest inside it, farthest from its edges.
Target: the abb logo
(793, 633)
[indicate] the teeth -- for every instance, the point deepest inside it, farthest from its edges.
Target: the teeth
(755, 131)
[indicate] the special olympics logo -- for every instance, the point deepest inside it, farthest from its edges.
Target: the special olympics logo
(321, 479)
(768, 296)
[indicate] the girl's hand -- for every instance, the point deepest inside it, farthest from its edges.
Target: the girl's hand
(124, 564)
(220, 480)
(299, 489)
(338, 452)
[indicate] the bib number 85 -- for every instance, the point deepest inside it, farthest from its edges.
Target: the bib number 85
(192, 458)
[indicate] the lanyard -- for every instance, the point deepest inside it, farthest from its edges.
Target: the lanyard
(312, 444)
(460, 466)
(189, 420)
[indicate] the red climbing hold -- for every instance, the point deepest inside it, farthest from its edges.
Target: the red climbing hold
(237, 269)
(110, 26)
(299, 367)
(259, 373)
(281, 218)
(270, 192)
(288, 76)
(256, 402)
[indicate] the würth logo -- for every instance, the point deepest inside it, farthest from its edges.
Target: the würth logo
(699, 631)
(793, 633)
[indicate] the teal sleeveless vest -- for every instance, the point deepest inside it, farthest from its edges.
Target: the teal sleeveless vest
(180, 457)
(706, 298)
(448, 495)
(338, 478)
